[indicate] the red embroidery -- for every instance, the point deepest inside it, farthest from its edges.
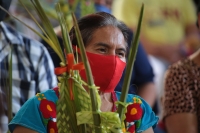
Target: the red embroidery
(131, 129)
(52, 127)
(134, 115)
(56, 91)
(48, 109)
(134, 112)
(114, 99)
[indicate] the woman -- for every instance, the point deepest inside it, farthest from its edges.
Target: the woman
(182, 95)
(105, 40)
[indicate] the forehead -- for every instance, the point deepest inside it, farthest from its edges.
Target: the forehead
(108, 34)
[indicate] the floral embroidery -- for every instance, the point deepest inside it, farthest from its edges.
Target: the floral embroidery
(40, 96)
(48, 110)
(52, 127)
(134, 115)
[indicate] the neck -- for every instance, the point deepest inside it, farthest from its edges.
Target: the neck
(106, 101)
(106, 95)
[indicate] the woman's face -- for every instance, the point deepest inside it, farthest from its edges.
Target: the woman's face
(108, 40)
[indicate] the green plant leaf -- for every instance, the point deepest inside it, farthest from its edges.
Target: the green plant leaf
(92, 91)
(130, 64)
(49, 29)
(65, 33)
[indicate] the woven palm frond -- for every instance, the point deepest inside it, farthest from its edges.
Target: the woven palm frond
(72, 99)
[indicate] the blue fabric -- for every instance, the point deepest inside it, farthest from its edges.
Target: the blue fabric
(31, 117)
(98, 8)
(142, 70)
(149, 119)
(102, 8)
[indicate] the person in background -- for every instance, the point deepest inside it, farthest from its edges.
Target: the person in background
(32, 67)
(181, 112)
(105, 41)
(103, 5)
(168, 32)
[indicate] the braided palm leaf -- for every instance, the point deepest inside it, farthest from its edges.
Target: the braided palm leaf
(67, 108)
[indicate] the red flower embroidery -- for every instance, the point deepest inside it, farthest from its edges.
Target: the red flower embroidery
(134, 112)
(52, 127)
(48, 109)
(131, 129)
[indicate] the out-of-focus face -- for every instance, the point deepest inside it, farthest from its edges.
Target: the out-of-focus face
(108, 40)
(107, 3)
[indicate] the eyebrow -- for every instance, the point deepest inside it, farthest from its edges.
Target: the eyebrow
(108, 46)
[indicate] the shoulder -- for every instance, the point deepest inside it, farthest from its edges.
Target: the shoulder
(137, 100)
(181, 67)
(51, 95)
(19, 39)
(139, 113)
(131, 98)
(48, 95)
(181, 89)
(179, 70)
(38, 109)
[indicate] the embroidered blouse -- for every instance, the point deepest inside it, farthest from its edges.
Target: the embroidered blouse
(139, 114)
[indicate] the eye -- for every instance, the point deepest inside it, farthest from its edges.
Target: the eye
(102, 50)
(121, 54)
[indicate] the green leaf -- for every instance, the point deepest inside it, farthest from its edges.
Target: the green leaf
(65, 33)
(49, 29)
(93, 92)
(10, 116)
(129, 68)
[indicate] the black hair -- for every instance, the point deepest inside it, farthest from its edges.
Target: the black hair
(92, 22)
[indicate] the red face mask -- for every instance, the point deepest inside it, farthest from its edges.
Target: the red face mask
(106, 70)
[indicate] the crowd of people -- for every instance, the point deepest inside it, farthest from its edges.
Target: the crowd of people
(165, 77)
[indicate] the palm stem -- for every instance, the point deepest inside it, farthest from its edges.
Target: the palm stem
(89, 78)
(129, 68)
